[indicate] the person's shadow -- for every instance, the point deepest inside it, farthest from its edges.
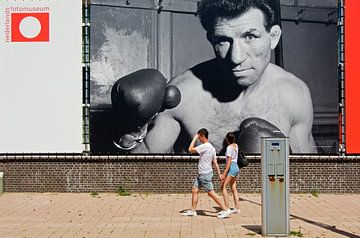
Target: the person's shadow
(207, 213)
(257, 228)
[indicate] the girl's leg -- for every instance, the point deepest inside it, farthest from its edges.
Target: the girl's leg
(234, 192)
(224, 191)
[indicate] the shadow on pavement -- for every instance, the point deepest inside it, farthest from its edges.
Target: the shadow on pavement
(326, 226)
(204, 212)
(256, 228)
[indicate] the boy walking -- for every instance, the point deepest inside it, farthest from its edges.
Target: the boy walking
(205, 172)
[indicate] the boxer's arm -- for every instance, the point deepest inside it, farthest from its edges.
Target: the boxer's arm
(301, 139)
(161, 137)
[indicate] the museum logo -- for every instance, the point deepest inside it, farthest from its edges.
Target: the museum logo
(27, 24)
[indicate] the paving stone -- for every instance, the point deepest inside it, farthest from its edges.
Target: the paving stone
(159, 215)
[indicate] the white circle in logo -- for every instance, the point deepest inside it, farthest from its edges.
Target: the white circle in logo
(30, 27)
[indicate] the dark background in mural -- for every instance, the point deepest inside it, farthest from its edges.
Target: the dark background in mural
(125, 38)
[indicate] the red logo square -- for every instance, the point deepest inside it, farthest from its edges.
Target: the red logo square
(30, 27)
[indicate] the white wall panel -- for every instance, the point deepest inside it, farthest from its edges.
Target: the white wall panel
(40, 77)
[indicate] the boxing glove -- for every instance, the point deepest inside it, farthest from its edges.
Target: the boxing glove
(172, 97)
(251, 131)
(136, 98)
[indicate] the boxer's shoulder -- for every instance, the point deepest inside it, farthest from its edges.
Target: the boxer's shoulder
(282, 79)
(194, 75)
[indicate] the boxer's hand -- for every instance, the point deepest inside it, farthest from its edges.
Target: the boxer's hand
(251, 131)
(129, 141)
(136, 99)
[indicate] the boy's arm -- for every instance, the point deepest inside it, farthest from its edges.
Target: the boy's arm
(192, 148)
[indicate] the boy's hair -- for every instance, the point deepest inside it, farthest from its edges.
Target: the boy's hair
(203, 132)
(209, 10)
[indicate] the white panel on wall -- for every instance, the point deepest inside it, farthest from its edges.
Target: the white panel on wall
(40, 76)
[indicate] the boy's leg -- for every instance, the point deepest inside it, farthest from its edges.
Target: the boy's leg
(212, 194)
(194, 198)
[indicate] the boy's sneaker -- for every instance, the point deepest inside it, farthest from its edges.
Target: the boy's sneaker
(224, 214)
(221, 212)
(234, 210)
(190, 213)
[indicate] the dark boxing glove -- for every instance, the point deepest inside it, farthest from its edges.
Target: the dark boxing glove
(251, 131)
(136, 98)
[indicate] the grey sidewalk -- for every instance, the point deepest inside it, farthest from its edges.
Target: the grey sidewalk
(159, 215)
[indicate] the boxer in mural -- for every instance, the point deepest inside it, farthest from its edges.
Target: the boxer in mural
(239, 90)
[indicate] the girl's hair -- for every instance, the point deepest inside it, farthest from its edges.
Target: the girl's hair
(230, 137)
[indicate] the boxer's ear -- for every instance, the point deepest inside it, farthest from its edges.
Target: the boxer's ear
(275, 34)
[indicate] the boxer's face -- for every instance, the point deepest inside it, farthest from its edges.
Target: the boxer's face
(243, 46)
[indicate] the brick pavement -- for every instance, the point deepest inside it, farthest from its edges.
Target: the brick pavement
(159, 215)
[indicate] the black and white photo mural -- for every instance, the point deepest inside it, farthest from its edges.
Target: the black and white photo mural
(159, 73)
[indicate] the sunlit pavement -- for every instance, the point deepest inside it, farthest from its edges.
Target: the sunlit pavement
(159, 215)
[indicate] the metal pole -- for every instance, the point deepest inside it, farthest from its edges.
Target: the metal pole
(86, 74)
(341, 77)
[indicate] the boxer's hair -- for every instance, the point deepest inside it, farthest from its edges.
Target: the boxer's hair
(230, 137)
(203, 132)
(209, 10)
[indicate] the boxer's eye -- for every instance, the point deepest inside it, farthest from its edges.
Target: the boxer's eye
(249, 37)
(221, 40)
